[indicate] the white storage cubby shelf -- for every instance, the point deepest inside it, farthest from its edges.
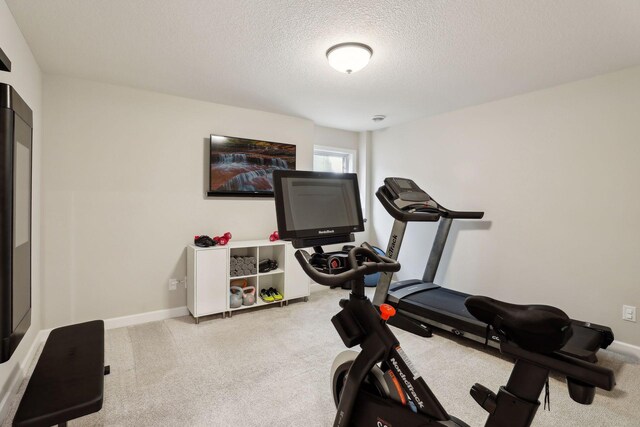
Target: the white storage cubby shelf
(209, 275)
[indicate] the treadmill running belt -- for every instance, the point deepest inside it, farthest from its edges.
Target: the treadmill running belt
(444, 299)
(446, 306)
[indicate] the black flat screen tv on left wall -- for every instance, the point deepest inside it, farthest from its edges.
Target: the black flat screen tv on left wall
(244, 167)
(16, 130)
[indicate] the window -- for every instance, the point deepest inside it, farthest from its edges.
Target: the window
(331, 159)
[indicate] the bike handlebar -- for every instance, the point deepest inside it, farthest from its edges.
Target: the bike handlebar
(380, 263)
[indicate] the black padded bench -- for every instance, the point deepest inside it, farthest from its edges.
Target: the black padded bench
(68, 381)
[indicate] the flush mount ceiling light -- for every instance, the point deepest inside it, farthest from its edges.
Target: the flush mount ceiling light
(349, 57)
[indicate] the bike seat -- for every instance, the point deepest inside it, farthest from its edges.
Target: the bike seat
(537, 328)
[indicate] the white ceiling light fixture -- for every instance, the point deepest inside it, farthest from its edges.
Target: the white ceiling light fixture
(349, 57)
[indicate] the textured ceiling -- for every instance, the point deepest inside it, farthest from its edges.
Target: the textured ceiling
(429, 56)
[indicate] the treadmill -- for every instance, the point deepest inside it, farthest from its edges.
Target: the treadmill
(422, 305)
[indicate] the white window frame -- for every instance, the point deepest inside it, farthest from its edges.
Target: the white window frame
(349, 155)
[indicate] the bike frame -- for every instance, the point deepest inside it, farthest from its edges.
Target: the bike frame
(359, 323)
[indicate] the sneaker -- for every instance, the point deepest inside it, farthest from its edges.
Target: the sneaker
(277, 296)
(266, 296)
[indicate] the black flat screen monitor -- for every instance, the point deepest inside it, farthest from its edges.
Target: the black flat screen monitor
(317, 208)
(16, 121)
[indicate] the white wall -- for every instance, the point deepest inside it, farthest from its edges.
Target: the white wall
(556, 172)
(356, 141)
(331, 137)
(26, 78)
(123, 181)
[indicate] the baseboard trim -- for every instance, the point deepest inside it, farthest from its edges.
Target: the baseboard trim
(20, 372)
(150, 316)
(626, 349)
(7, 399)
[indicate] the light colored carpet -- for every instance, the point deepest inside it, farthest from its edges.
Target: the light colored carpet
(271, 368)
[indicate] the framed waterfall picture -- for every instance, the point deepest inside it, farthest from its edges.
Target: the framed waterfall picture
(244, 167)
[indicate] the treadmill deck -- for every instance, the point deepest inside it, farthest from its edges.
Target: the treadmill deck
(435, 304)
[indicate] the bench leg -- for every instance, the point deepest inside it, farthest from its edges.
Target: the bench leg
(64, 424)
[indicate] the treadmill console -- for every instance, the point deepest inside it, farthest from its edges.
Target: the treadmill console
(406, 190)
(406, 202)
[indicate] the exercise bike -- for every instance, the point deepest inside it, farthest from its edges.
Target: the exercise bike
(379, 387)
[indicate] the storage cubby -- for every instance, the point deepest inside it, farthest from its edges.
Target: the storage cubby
(209, 275)
(249, 282)
(272, 281)
(243, 262)
(277, 253)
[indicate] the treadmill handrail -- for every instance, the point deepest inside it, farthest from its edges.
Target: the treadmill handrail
(463, 214)
(417, 216)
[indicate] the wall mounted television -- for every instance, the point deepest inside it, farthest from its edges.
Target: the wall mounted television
(16, 122)
(244, 167)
